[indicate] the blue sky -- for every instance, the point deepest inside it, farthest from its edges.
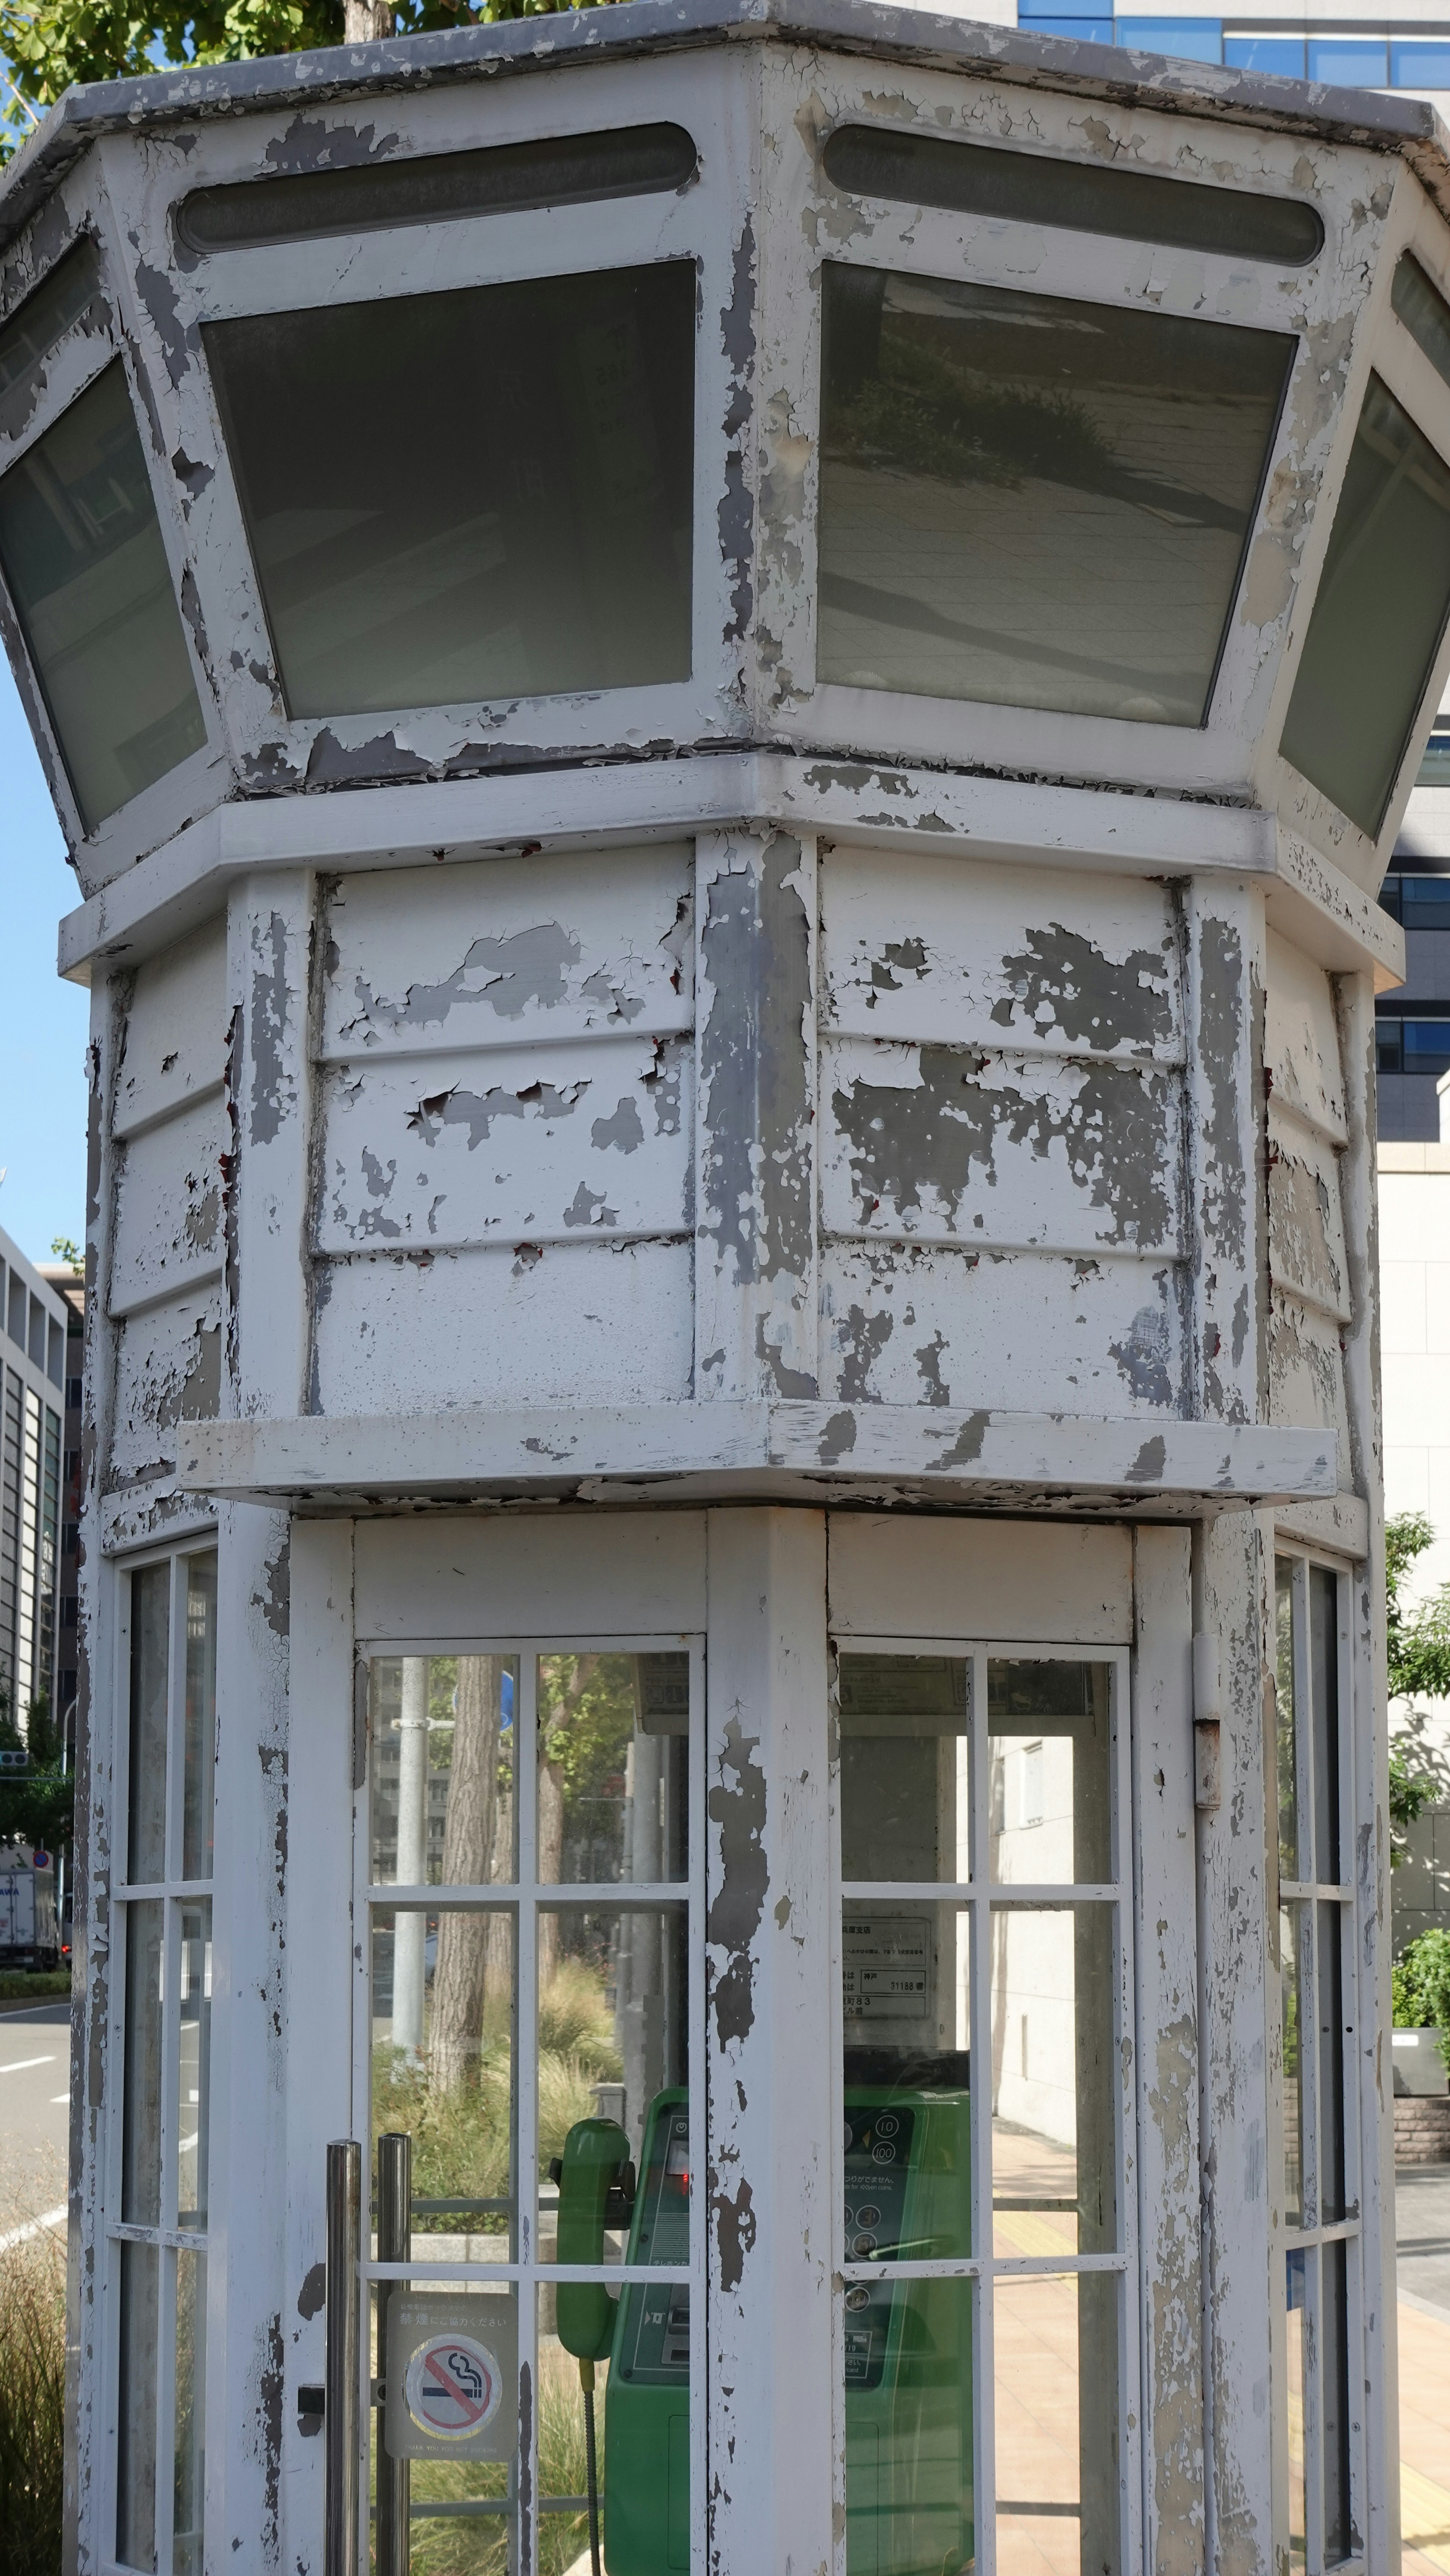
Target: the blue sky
(43, 1023)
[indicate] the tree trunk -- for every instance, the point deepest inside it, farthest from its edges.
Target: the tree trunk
(362, 23)
(551, 1853)
(460, 1977)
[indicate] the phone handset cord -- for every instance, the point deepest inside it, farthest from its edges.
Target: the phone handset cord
(591, 2463)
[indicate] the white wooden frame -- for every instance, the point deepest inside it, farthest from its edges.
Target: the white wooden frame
(175, 1894)
(978, 1897)
(1308, 1898)
(523, 1899)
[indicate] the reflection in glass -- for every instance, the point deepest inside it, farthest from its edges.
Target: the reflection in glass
(1033, 501)
(1424, 312)
(555, 556)
(442, 1771)
(1284, 1706)
(193, 2064)
(464, 2486)
(1056, 2389)
(613, 2022)
(1054, 2136)
(1297, 2262)
(443, 2013)
(1290, 1995)
(614, 1776)
(199, 1747)
(1329, 2009)
(1378, 615)
(141, 2088)
(1050, 1766)
(136, 2407)
(910, 2426)
(1340, 2537)
(907, 2077)
(189, 2447)
(1324, 1663)
(82, 554)
(904, 1767)
(146, 1788)
(36, 328)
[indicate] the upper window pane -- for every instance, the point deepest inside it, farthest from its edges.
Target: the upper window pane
(82, 553)
(904, 1767)
(1378, 615)
(1028, 187)
(150, 1661)
(614, 1768)
(1050, 1758)
(545, 547)
(442, 1770)
(1423, 310)
(43, 319)
(1034, 502)
(199, 1746)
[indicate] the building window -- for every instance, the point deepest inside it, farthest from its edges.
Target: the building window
(1321, 2127)
(1406, 1045)
(995, 512)
(988, 2223)
(1420, 902)
(560, 560)
(75, 1388)
(82, 554)
(157, 2226)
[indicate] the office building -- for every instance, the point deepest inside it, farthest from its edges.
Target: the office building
(32, 1404)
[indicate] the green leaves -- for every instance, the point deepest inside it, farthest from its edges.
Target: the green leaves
(1418, 1658)
(1420, 1986)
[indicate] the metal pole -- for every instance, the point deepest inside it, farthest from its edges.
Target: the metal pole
(395, 2245)
(341, 2424)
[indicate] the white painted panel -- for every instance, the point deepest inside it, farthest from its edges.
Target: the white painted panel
(176, 1029)
(577, 1574)
(168, 1370)
(935, 1326)
(1301, 1041)
(1306, 1216)
(169, 1205)
(491, 951)
(941, 949)
(935, 1140)
(1306, 1371)
(575, 1323)
(469, 1149)
(1022, 1580)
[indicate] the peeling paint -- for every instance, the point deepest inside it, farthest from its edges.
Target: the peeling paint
(736, 1807)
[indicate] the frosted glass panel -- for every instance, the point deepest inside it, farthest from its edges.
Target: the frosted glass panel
(1378, 615)
(545, 547)
(83, 557)
(1031, 501)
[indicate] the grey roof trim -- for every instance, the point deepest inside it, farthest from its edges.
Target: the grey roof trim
(1405, 126)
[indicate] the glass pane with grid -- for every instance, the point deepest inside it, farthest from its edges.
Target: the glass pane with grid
(1317, 2039)
(532, 2005)
(985, 2225)
(157, 2200)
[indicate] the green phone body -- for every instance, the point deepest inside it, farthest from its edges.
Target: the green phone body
(909, 2467)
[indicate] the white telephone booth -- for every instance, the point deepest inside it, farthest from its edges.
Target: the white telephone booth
(729, 687)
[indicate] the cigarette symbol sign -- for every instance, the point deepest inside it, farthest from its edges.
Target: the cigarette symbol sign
(453, 2386)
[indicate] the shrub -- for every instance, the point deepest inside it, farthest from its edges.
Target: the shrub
(32, 2403)
(1420, 1986)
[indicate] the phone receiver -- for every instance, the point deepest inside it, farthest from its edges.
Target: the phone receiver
(596, 2188)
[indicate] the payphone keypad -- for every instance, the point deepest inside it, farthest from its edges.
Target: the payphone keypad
(656, 2344)
(878, 2160)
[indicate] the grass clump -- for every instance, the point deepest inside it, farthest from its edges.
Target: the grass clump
(32, 2403)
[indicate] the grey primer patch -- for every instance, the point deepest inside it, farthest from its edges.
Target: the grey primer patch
(1061, 981)
(269, 2427)
(587, 1207)
(276, 1606)
(308, 144)
(862, 1338)
(198, 1396)
(508, 974)
(195, 478)
(312, 2297)
(624, 1130)
(477, 1110)
(735, 518)
(928, 1369)
(1147, 1467)
(735, 1915)
(908, 954)
(1114, 1131)
(757, 1167)
(734, 2233)
(331, 764)
(966, 1449)
(268, 1032)
(1220, 1004)
(1143, 1356)
(157, 293)
(837, 1440)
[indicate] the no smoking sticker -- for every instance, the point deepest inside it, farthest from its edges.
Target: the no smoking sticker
(453, 2386)
(451, 2376)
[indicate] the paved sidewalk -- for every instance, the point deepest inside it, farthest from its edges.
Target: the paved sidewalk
(1422, 2226)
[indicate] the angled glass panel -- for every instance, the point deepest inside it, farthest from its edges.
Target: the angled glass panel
(555, 555)
(1378, 616)
(1422, 308)
(141, 2061)
(150, 1663)
(136, 2407)
(1030, 187)
(81, 550)
(28, 338)
(1034, 502)
(1285, 1740)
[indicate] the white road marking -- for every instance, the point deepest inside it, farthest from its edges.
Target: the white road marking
(37, 2227)
(60, 2097)
(18, 2065)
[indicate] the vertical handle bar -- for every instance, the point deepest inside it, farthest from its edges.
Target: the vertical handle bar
(341, 2424)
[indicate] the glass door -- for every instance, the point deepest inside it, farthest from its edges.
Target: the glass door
(527, 2048)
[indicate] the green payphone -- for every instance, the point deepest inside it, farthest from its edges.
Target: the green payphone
(908, 2343)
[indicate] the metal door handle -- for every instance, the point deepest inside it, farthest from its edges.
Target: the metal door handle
(341, 2422)
(395, 2245)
